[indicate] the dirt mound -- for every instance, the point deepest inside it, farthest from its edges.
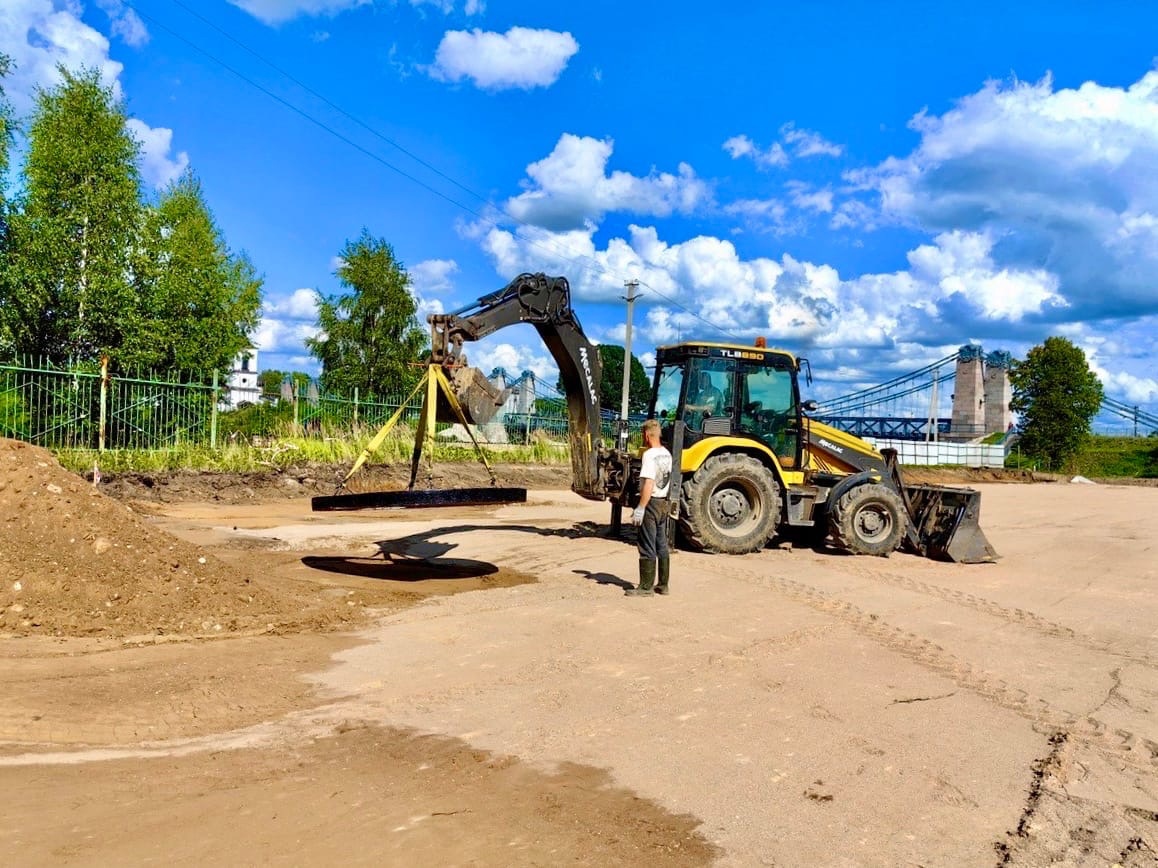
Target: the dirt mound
(74, 562)
(964, 475)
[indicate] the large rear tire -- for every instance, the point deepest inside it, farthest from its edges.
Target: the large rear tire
(730, 505)
(869, 520)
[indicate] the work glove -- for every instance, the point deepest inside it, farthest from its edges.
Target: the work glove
(637, 516)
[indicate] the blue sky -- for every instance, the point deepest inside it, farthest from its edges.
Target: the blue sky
(869, 185)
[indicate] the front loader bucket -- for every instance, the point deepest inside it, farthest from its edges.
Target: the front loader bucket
(945, 524)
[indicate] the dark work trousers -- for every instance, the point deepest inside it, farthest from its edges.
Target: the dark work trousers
(653, 530)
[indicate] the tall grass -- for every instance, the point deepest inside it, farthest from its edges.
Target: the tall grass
(1133, 457)
(279, 453)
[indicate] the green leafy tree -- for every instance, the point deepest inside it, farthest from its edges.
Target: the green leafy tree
(71, 243)
(611, 383)
(199, 301)
(269, 381)
(6, 120)
(370, 336)
(1057, 396)
(9, 326)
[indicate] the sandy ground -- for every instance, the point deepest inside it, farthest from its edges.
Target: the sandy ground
(507, 705)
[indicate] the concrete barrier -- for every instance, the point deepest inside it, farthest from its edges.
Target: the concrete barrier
(924, 453)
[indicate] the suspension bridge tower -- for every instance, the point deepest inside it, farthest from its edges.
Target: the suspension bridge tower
(968, 420)
(981, 394)
(998, 392)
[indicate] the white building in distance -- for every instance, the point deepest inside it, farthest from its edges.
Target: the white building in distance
(242, 383)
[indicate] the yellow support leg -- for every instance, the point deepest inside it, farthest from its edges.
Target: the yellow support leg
(424, 436)
(452, 399)
(433, 380)
(377, 440)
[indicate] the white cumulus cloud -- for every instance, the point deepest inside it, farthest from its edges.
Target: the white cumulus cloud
(1035, 211)
(125, 22)
(801, 144)
(809, 199)
(571, 185)
(301, 304)
(774, 156)
(1060, 179)
(431, 282)
(39, 35)
(280, 11)
(433, 276)
(446, 7)
(157, 166)
(806, 143)
(520, 58)
(281, 337)
(702, 287)
(286, 322)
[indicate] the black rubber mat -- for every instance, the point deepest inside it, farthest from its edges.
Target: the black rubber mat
(419, 499)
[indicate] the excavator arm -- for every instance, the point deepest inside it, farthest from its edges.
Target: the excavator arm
(545, 303)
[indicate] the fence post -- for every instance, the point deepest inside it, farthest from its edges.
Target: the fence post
(101, 428)
(355, 425)
(213, 412)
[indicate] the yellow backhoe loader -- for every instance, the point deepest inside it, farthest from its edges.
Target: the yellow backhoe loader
(751, 466)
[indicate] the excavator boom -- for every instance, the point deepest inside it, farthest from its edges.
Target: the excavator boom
(545, 303)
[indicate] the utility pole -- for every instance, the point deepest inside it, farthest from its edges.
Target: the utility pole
(631, 285)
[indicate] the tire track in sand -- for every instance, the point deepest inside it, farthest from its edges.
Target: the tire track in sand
(1124, 746)
(1020, 617)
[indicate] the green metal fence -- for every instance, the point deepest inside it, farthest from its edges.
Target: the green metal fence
(86, 406)
(92, 406)
(320, 412)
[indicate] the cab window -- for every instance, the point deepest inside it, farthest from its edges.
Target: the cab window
(667, 395)
(769, 410)
(709, 391)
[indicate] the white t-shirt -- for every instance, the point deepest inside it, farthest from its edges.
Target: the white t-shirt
(657, 465)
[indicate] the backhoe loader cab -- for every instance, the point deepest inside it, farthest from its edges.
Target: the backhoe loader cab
(722, 390)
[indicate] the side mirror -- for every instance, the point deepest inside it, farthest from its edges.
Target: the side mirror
(663, 414)
(809, 406)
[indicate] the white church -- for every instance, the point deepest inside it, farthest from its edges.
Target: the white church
(242, 384)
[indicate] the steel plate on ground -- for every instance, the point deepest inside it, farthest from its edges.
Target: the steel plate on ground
(419, 499)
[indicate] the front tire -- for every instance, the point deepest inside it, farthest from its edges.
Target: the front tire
(869, 520)
(730, 505)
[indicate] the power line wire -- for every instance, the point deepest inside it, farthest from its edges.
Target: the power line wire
(675, 303)
(594, 265)
(327, 101)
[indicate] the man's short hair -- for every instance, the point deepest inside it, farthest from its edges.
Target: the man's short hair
(650, 425)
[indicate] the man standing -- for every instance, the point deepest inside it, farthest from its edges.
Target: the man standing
(651, 516)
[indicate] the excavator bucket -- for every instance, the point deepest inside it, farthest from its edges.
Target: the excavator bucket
(945, 524)
(479, 398)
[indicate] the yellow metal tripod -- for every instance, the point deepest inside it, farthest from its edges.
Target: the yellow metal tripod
(432, 381)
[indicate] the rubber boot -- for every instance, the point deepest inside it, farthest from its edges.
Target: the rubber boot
(664, 573)
(646, 579)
